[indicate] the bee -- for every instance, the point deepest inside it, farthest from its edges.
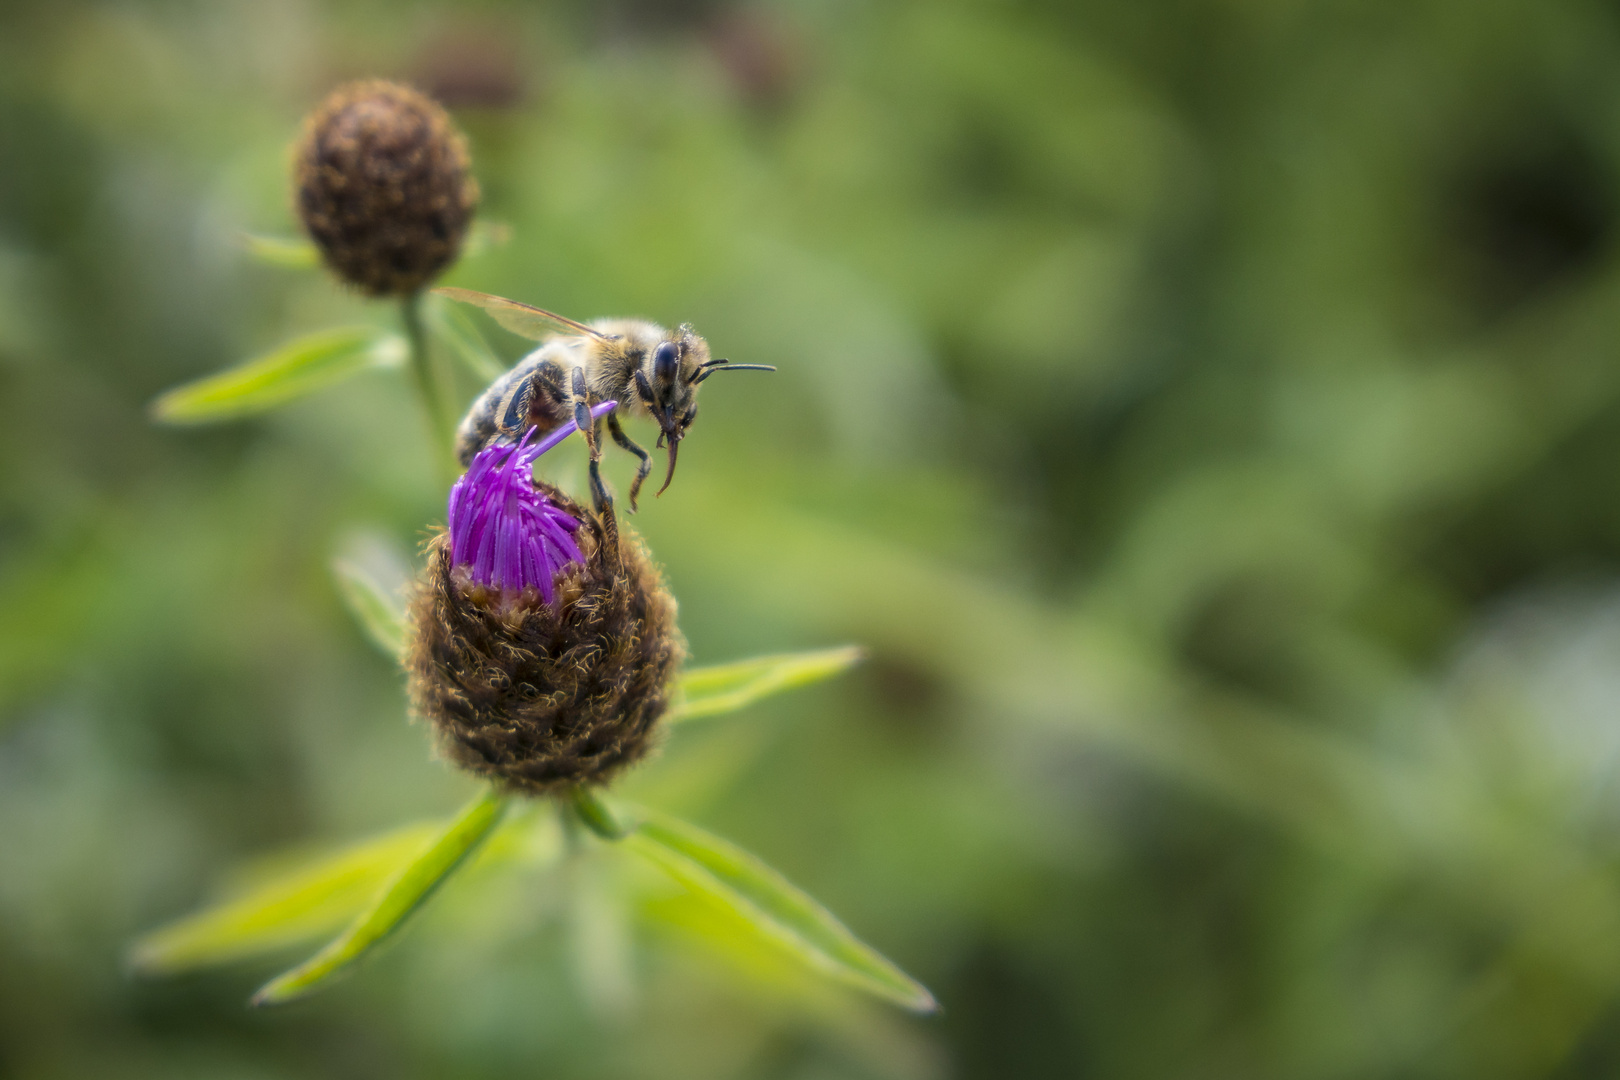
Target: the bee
(645, 368)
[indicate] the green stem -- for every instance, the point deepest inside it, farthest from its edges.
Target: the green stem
(427, 386)
(591, 812)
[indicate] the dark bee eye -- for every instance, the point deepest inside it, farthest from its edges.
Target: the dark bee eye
(666, 358)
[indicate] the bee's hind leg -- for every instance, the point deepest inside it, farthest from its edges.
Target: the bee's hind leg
(588, 427)
(627, 443)
(549, 379)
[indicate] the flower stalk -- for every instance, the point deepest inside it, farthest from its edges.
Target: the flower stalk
(441, 428)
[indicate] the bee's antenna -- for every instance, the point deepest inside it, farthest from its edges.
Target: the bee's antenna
(705, 370)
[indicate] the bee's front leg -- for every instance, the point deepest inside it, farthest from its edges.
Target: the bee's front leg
(642, 470)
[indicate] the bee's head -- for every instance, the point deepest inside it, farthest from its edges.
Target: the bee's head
(668, 383)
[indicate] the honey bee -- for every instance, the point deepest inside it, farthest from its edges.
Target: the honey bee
(645, 368)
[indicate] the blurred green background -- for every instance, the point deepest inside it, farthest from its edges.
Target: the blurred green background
(1207, 412)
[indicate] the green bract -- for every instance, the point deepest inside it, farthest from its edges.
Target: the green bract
(772, 907)
(292, 905)
(379, 613)
(403, 893)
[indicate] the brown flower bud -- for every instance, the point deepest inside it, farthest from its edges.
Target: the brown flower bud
(383, 188)
(539, 671)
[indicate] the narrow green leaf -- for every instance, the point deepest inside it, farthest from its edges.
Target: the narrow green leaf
(287, 252)
(772, 907)
(310, 899)
(297, 368)
(380, 613)
(723, 688)
(455, 329)
(400, 898)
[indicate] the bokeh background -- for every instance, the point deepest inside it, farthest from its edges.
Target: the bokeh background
(1206, 411)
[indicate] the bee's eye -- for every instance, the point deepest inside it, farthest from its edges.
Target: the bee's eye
(666, 358)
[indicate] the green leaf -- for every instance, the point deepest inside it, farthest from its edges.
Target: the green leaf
(311, 899)
(297, 368)
(772, 907)
(456, 330)
(723, 688)
(287, 252)
(400, 898)
(380, 613)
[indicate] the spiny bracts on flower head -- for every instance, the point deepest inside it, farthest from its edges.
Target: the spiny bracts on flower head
(539, 683)
(383, 187)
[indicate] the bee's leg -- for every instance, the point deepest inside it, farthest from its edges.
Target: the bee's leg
(587, 427)
(514, 418)
(582, 409)
(642, 470)
(540, 398)
(550, 380)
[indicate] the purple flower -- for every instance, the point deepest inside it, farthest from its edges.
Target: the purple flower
(506, 531)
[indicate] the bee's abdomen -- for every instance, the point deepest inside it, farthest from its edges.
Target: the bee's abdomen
(478, 429)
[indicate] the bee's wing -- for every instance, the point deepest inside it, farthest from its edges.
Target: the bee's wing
(522, 319)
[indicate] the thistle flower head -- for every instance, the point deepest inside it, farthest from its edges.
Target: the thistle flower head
(505, 533)
(383, 187)
(542, 641)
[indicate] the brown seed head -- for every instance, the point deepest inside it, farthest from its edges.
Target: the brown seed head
(383, 188)
(541, 697)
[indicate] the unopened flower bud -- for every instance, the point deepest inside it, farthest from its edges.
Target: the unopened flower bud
(383, 186)
(542, 639)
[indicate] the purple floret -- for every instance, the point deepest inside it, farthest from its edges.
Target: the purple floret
(503, 529)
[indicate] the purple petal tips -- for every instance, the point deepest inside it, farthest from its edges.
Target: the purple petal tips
(502, 528)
